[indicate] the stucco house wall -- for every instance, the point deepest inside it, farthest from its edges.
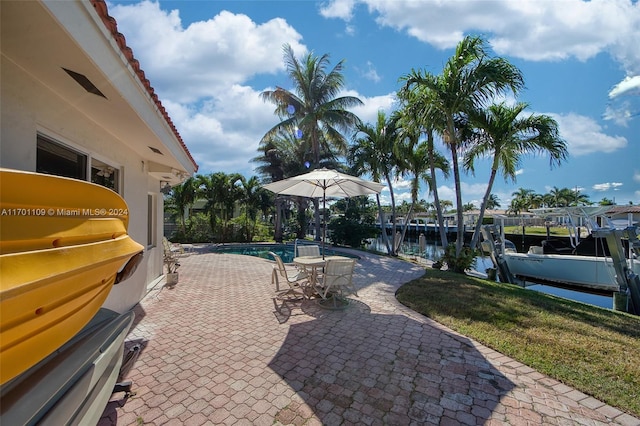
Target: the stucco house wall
(37, 98)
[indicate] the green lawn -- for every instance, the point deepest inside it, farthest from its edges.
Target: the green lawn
(595, 350)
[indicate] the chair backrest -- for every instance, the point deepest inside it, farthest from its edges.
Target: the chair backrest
(339, 272)
(279, 263)
(309, 251)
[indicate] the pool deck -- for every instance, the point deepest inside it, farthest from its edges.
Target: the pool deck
(219, 350)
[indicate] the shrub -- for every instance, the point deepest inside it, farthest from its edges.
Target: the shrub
(465, 260)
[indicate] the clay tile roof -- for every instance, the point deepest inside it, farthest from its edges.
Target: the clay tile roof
(101, 7)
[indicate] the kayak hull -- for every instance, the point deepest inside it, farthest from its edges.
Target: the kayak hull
(56, 268)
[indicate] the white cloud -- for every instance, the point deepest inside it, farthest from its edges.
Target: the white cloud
(601, 187)
(534, 30)
(368, 112)
(628, 86)
(342, 9)
(370, 73)
(519, 172)
(585, 136)
(625, 101)
(215, 54)
(636, 176)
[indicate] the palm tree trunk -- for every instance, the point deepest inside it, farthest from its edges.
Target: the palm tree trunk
(394, 251)
(406, 222)
(483, 206)
(383, 227)
(459, 216)
(436, 198)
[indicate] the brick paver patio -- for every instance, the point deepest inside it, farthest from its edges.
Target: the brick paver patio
(217, 349)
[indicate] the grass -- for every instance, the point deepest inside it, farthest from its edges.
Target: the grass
(594, 350)
(537, 230)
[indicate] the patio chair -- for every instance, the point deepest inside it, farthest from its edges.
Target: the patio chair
(172, 249)
(338, 279)
(309, 250)
(295, 279)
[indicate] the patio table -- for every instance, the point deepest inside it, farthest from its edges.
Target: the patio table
(311, 264)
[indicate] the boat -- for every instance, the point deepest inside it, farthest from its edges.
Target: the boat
(63, 245)
(598, 256)
(74, 383)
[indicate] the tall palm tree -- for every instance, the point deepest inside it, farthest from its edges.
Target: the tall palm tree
(505, 136)
(470, 79)
(283, 156)
(412, 121)
(373, 152)
(313, 109)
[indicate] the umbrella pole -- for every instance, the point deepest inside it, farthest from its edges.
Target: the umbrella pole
(324, 221)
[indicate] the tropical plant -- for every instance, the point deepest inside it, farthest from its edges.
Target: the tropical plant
(355, 224)
(251, 204)
(503, 135)
(415, 100)
(470, 80)
(493, 202)
(180, 199)
(313, 111)
(458, 262)
(373, 152)
(221, 191)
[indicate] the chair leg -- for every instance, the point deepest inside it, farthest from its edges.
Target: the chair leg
(274, 279)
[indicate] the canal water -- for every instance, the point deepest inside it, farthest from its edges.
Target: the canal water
(433, 251)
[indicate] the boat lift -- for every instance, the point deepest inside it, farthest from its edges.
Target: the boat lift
(626, 299)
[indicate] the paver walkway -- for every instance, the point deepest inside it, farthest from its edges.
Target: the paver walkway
(217, 351)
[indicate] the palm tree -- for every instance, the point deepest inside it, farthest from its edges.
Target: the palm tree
(469, 80)
(505, 136)
(180, 199)
(373, 152)
(221, 191)
(283, 156)
(493, 202)
(420, 161)
(415, 100)
(251, 203)
(313, 110)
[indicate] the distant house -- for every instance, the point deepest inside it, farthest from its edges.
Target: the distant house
(623, 216)
(74, 102)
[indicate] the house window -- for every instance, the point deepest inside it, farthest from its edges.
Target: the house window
(105, 175)
(55, 159)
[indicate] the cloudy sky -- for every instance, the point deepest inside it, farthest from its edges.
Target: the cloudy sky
(209, 61)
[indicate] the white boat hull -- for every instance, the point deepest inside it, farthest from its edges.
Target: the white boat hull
(591, 272)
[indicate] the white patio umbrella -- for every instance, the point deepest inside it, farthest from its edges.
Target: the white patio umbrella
(324, 183)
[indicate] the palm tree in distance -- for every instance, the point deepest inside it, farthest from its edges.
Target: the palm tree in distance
(373, 152)
(313, 110)
(470, 79)
(504, 136)
(180, 200)
(493, 202)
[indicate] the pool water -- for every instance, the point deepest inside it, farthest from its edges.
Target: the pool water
(285, 251)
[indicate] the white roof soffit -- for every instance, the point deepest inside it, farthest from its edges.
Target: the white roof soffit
(45, 38)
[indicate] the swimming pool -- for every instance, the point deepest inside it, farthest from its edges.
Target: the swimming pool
(285, 251)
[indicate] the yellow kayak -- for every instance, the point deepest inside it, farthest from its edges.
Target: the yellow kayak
(63, 243)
